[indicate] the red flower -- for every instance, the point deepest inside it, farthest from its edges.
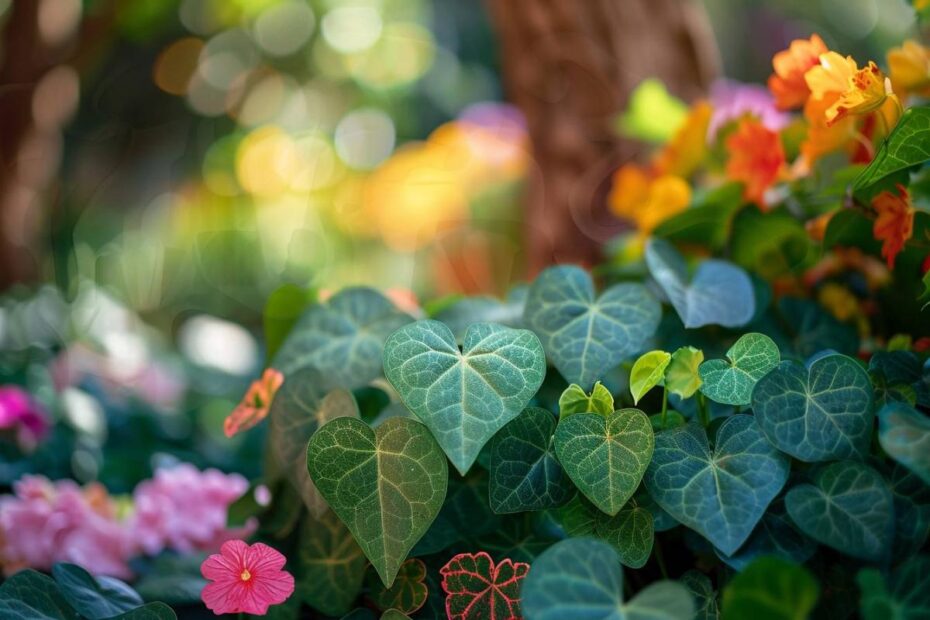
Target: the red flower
(255, 404)
(246, 579)
(756, 158)
(477, 590)
(895, 222)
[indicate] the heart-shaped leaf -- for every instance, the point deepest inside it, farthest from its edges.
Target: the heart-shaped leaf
(582, 578)
(151, 611)
(648, 372)
(630, 532)
(771, 589)
(904, 434)
(299, 408)
(720, 293)
(583, 336)
(409, 592)
(477, 589)
(332, 565)
(30, 595)
(721, 494)
(386, 485)
(682, 377)
(819, 413)
(605, 456)
(343, 338)
(906, 146)
(731, 381)
(459, 315)
(911, 497)
(575, 400)
(94, 598)
(907, 597)
(466, 396)
(525, 474)
(848, 507)
(775, 535)
(705, 598)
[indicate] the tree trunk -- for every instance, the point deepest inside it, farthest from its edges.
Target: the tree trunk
(570, 67)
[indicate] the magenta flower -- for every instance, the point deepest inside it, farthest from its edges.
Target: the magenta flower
(733, 100)
(245, 579)
(18, 411)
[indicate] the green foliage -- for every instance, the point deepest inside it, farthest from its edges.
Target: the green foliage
(407, 595)
(771, 589)
(283, 308)
(605, 456)
(331, 565)
(905, 596)
(705, 598)
(905, 148)
(386, 485)
(682, 377)
(466, 396)
(575, 400)
(648, 372)
(905, 435)
(731, 381)
(94, 597)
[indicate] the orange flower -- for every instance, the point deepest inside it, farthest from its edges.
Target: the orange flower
(756, 158)
(823, 138)
(645, 199)
(787, 83)
(688, 148)
(860, 90)
(255, 404)
(895, 222)
(909, 68)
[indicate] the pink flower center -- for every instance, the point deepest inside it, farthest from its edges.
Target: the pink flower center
(246, 575)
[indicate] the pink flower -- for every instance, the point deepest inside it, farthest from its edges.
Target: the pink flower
(19, 411)
(245, 579)
(733, 100)
(185, 509)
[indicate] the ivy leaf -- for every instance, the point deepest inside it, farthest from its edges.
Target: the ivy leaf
(819, 413)
(94, 598)
(578, 517)
(386, 485)
(586, 337)
(575, 400)
(848, 507)
(525, 474)
(332, 565)
(720, 293)
(905, 147)
(775, 535)
(811, 329)
(771, 589)
(731, 381)
(648, 372)
(409, 592)
(342, 338)
(908, 598)
(284, 306)
(477, 589)
(904, 433)
(705, 597)
(466, 396)
(582, 578)
(911, 498)
(300, 407)
(30, 595)
(464, 312)
(720, 494)
(682, 377)
(630, 532)
(151, 611)
(605, 456)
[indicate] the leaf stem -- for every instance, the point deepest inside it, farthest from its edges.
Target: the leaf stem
(660, 559)
(664, 405)
(703, 413)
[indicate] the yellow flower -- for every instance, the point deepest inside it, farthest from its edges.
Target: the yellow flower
(909, 68)
(647, 200)
(688, 148)
(860, 90)
(832, 75)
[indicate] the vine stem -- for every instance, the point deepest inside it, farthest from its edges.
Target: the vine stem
(702, 411)
(660, 559)
(664, 404)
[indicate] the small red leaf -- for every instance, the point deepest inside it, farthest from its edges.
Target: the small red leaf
(477, 590)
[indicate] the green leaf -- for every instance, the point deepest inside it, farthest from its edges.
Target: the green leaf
(653, 115)
(702, 590)
(682, 377)
(151, 611)
(771, 589)
(582, 578)
(578, 517)
(720, 293)
(575, 400)
(605, 456)
(94, 597)
(462, 313)
(386, 485)
(466, 396)
(775, 535)
(342, 338)
(770, 244)
(630, 532)
(407, 595)
(173, 580)
(30, 595)
(848, 507)
(731, 381)
(394, 614)
(300, 407)
(908, 598)
(648, 372)
(911, 497)
(812, 329)
(672, 420)
(525, 474)
(332, 565)
(904, 433)
(720, 493)
(819, 413)
(284, 306)
(583, 336)
(708, 222)
(905, 147)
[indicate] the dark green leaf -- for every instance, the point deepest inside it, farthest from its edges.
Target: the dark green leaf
(151, 611)
(770, 589)
(407, 595)
(94, 597)
(907, 598)
(331, 565)
(462, 313)
(630, 532)
(775, 535)
(905, 147)
(904, 434)
(30, 595)
(705, 597)
(731, 381)
(284, 306)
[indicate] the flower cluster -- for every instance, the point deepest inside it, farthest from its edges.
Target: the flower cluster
(817, 103)
(182, 509)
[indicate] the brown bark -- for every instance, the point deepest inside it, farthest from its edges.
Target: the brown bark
(570, 66)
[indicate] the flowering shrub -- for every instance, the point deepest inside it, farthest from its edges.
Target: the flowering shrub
(736, 411)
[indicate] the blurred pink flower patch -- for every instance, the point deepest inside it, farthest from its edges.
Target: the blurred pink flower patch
(255, 404)
(21, 413)
(245, 579)
(732, 101)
